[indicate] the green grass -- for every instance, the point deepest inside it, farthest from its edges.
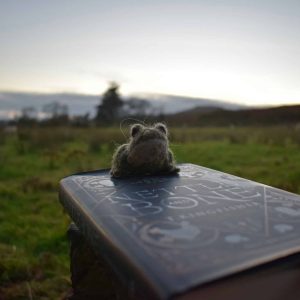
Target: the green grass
(272, 165)
(34, 260)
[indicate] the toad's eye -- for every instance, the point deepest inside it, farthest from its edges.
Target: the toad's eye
(161, 127)
(135, 129)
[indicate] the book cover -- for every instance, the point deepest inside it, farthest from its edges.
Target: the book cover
(165, 235)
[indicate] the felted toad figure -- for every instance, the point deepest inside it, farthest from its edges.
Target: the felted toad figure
(146, 153)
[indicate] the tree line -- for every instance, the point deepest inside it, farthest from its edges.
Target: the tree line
(112, 108)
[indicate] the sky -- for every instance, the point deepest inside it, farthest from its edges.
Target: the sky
(242, 51)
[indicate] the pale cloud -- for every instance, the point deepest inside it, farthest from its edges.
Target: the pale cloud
(244, 51)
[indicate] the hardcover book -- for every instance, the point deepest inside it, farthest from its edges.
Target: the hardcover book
(168, 235)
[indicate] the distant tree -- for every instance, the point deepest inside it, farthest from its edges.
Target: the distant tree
(57, 113)
(81, 120)
(110, 108)
(28, 113)
(137, 107)
(28, 116)
(56, 110)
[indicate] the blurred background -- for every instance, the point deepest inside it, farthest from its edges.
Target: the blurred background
(223, 75)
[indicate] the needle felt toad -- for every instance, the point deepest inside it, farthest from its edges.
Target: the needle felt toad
(146, 153)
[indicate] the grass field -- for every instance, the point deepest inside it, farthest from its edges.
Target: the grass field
(33, 247)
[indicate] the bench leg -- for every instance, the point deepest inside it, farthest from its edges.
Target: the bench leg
(91, 277)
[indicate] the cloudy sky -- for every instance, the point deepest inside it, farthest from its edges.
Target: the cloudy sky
(246, 51)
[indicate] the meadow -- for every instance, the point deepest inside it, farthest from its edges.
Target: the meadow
(34, 261)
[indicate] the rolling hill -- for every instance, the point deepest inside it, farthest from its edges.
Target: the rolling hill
(210, 116)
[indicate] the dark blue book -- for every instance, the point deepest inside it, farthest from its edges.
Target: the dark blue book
(166, 236)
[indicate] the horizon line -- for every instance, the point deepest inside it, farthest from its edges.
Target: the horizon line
(145, 94)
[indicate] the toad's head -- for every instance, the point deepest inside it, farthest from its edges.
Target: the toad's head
(148, 144)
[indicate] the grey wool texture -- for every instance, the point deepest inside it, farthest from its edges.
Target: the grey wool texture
(146, 153)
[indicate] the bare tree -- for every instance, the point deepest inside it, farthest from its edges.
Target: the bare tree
(110, 108)
(28, 113)
(56, 110)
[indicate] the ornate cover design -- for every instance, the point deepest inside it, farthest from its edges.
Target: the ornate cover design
(177, 232)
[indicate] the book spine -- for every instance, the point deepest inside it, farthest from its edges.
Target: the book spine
(137, 285)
